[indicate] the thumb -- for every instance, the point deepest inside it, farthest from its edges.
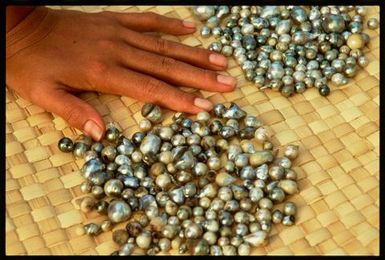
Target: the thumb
(76, 112)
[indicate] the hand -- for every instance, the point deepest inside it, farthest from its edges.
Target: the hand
(110, 53)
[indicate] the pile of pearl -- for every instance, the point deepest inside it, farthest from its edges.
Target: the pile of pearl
(290, 48)
(213, 186)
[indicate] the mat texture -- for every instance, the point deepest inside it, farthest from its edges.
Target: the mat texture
(338, 167)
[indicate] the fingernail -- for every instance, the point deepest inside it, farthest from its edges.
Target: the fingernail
(92, 129)
(218, 60)
(189, 24)
(227, 80)
(203, 103)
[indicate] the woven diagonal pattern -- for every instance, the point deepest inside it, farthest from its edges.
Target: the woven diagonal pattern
(338, 167)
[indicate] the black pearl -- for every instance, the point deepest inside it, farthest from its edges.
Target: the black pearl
(80, 149)
(287, 91)
(137, 138)
(66, 145)
(324, 90)
(112, 133)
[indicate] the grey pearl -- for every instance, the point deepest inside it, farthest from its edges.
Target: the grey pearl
(247, 172)
(118, 211)
(288, 220)
(92, 229)
(216, 250)
(265, 203)
(113, 188)
(205, 32)
(66, 145)
(92, 166)
(283, 27)
(276, 70)
(300, 87)
(225, 218)
(245, 204)
(247, 29)
(80, 149)
(225, 193)
(276, 172)
(109, 153)
(231, 206)
(229, 250)
(216, 32)
(277, 216)
(150, 144)
(177, 195)
(215, 46)
(333, 23)
(339, 79)
(300, 37)
(363, 61)
(299, 14)
(263, 215)
(257, 238)
(222, 11)
(211, 214)
(244, 249)
(152, 112)
(289, 208)
(234, 112)
(193, 231)
(227, 50)
(143, 240)
(212, 22)
(241, 229)
(201, 248)
(122, 159)
(204, 12)
(236, 241)
(277, 195)
(217, 204)
(164, 244)
(269, 10)
(372, 23)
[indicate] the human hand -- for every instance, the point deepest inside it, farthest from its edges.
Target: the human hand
(70, 52)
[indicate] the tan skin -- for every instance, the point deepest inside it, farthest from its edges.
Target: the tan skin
(112, 53)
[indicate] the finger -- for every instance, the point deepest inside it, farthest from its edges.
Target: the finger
(75, 111)
(174, 71)
(192, 55)
(126, 82)
(152, 22)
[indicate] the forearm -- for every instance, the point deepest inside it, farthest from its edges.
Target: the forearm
(15, 14)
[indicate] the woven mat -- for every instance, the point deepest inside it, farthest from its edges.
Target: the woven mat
(338, 167)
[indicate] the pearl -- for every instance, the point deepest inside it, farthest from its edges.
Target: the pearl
(324, 90)
(118, 211)
(372, 23)
(333, 23)
(152, 112)
(204, 12)
(205, 32)
(66, 145)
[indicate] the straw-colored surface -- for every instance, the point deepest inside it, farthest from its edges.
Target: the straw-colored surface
(338, 167)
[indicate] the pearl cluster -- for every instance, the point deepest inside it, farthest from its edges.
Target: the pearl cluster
(210, 186)
(290, 48)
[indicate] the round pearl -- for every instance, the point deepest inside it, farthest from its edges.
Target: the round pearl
(372, 23)
(355, 41)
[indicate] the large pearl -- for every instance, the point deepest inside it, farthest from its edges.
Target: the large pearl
(204, 12)
(118, 211)
(333, 23)
(355, 41)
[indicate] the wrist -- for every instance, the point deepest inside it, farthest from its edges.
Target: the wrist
(15, 14)
(28, 31)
